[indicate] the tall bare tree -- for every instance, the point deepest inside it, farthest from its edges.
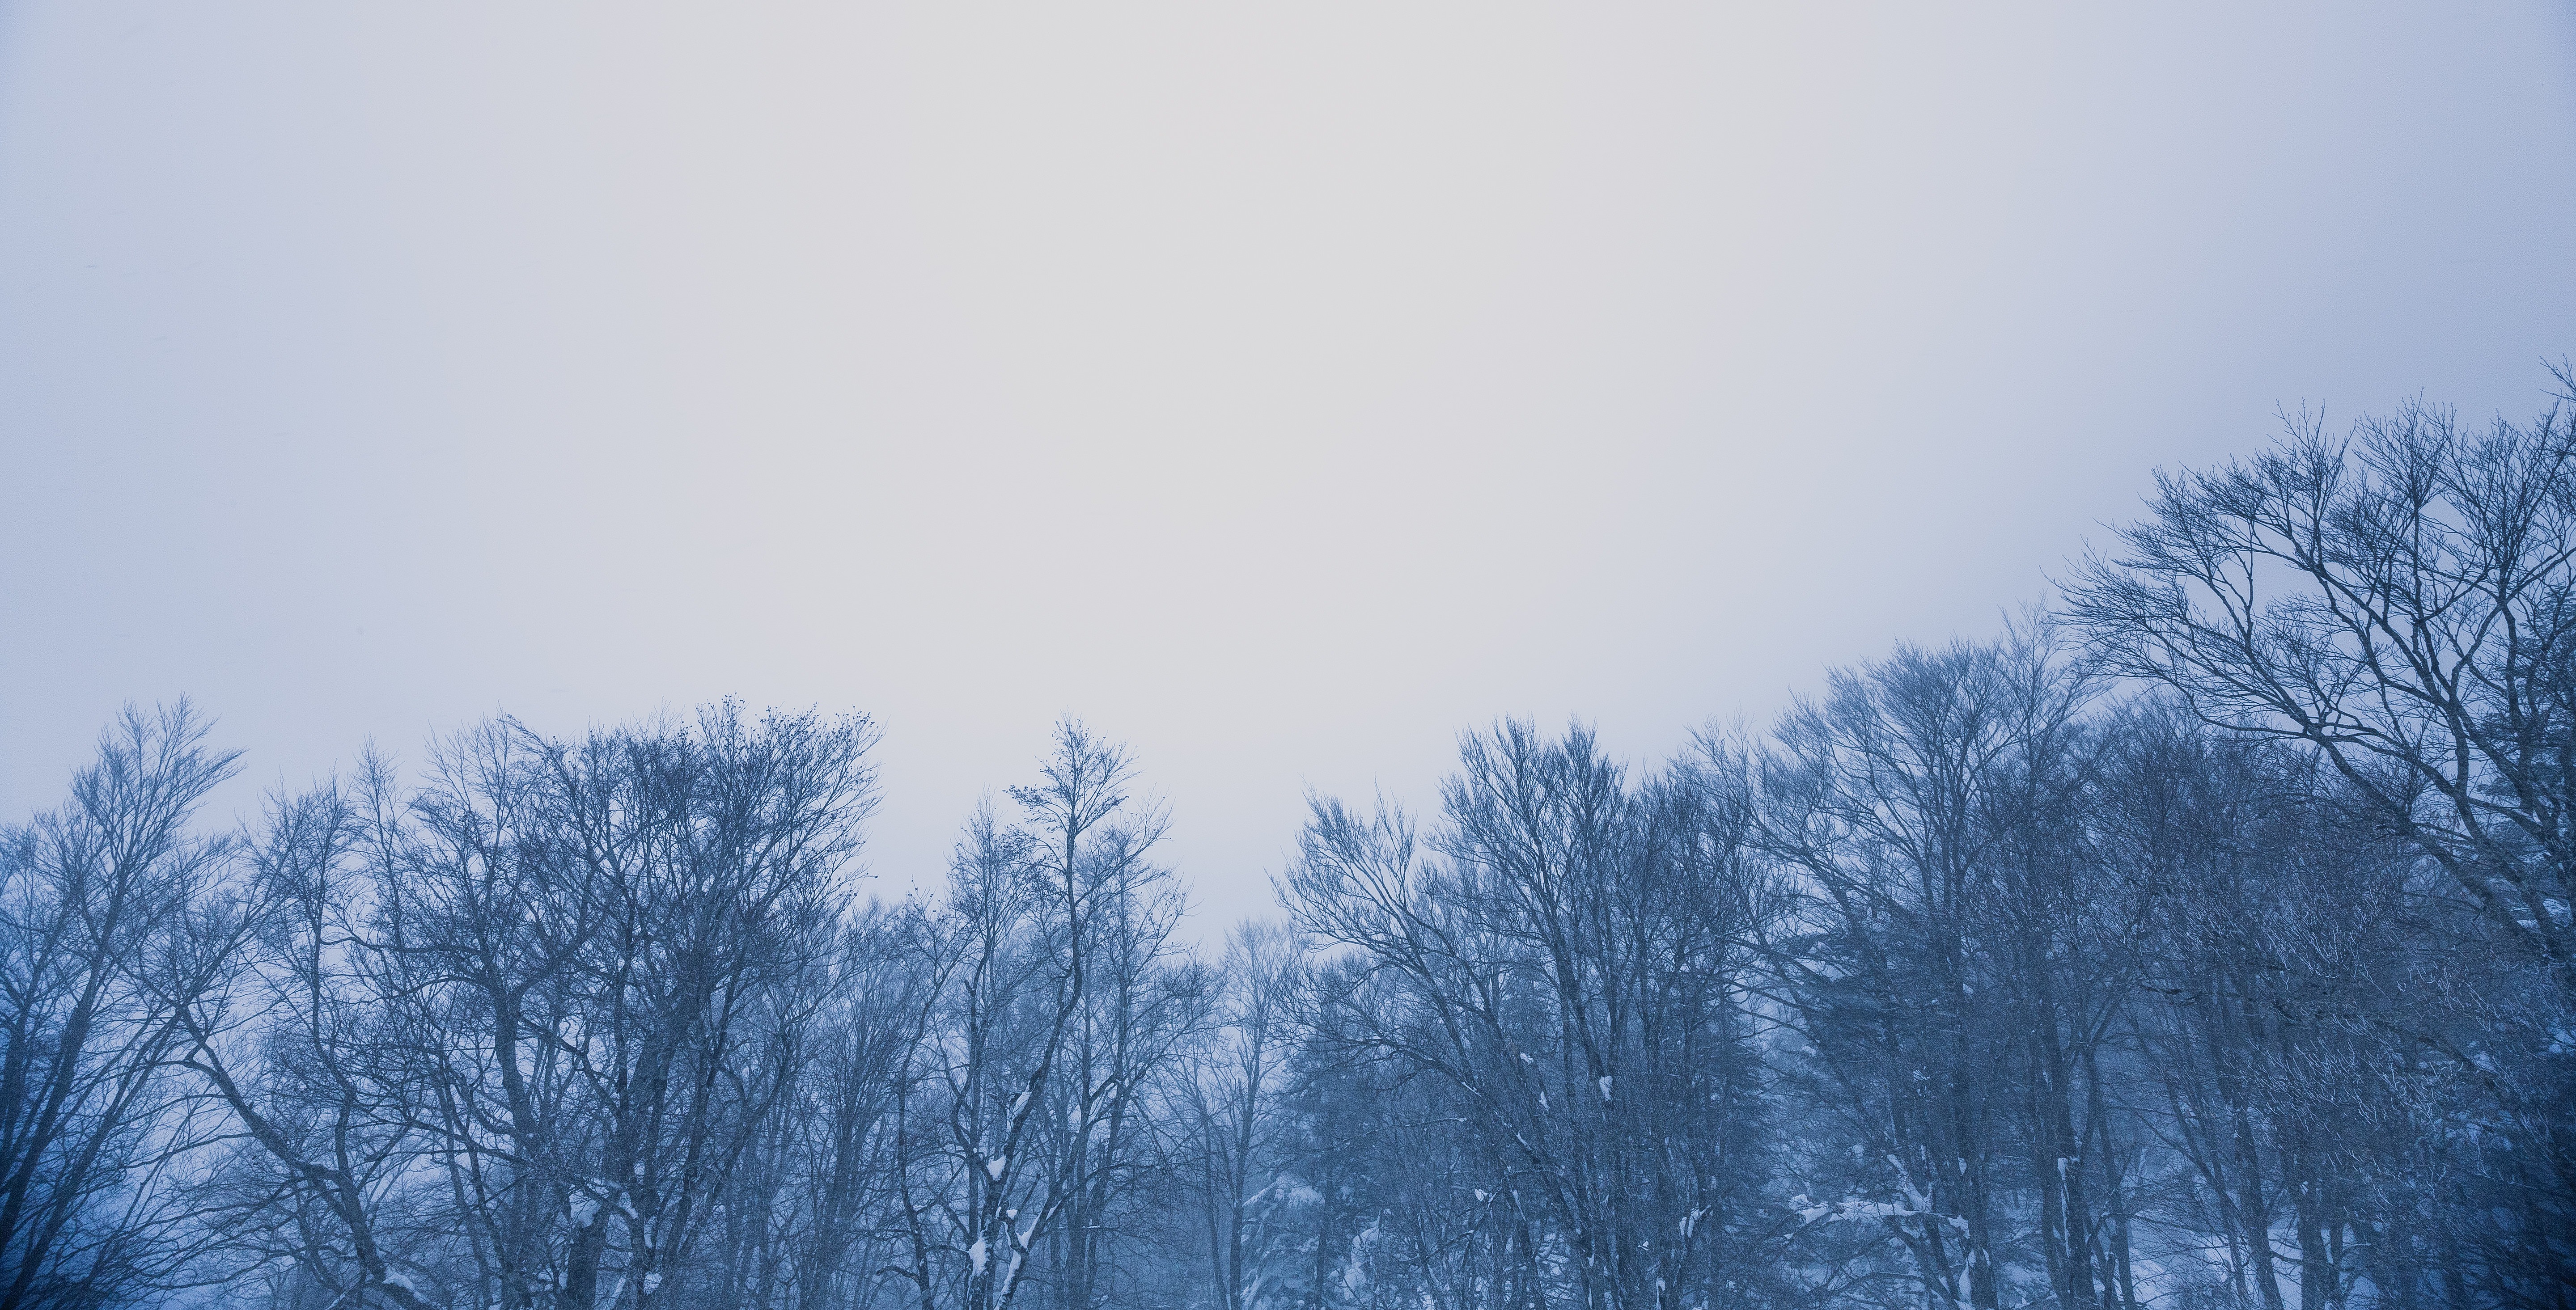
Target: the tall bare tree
(1569, 963)
(2401, 601)
(1228, 1107)
(92, 1130)
(2404, 600)
(1058, 1005)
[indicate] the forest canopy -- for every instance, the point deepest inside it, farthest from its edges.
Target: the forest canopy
(2204, 941)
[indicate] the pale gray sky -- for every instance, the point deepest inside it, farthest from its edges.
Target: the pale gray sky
(1279, 387)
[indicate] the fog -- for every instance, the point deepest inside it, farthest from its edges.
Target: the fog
(1278, 389)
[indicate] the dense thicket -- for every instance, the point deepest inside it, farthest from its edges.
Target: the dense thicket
(2205, 944)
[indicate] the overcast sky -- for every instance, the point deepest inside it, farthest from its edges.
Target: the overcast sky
(1279, 387)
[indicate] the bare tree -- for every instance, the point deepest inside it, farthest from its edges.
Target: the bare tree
(524, 1025)
(2404, 600)
(1057, 1006)
(1956, 970)
(2401, 601)
(480, 914)
(718, 851)
(1228, 1109)
(91, 1127)
(1571, 968)
(2226, 963)
(271, 993)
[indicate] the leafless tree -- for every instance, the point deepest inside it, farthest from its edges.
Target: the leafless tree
(523, 1024)
(2222, 962)
(93, 1132)
(1228, 1110)
(1570, 965)
(1057, 1004)
(2404, 600)
(271, 993)
(1957, 970)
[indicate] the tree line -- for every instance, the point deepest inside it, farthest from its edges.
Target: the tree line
(2205, 942)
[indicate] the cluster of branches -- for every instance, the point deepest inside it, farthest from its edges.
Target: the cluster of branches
(2207, 943)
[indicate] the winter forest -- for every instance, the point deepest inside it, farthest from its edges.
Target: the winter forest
(2202, 941)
